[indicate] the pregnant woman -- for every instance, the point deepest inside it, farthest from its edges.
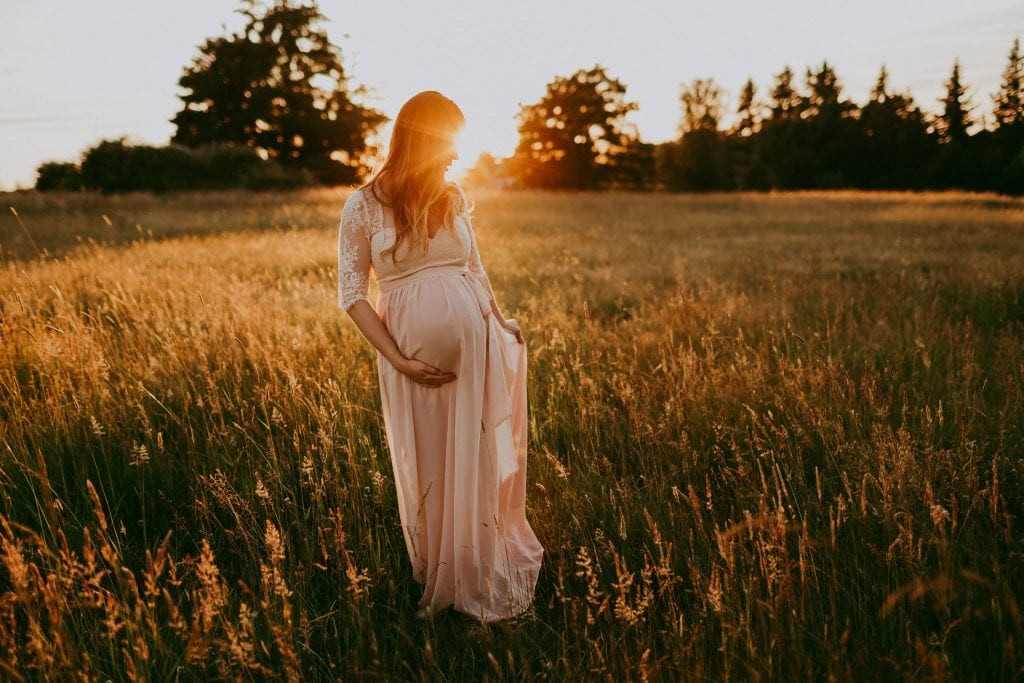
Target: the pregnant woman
(451, 368)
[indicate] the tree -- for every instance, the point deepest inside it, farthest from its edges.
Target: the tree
(781, 144)
(700, 160)
(702, 106)
(575, 136)
(748, 111)
(880, 93)
(823, 96)
(828, 131)
(748, 169)
(895, 144)
(1009, 101)
(961, 160)
(278, 86)
(785, 99)
(955, 119)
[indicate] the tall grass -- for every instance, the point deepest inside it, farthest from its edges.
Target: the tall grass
(772, 436)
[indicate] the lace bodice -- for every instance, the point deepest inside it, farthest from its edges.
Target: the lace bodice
(362, 237)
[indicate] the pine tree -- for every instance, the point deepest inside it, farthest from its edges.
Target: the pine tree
(956, 113)
(785, 100)
(880, 93)
(894, 144)
(1009, 101)
(824, 94)
(748, 117)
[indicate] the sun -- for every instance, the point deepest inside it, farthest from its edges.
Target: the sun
(470, 142)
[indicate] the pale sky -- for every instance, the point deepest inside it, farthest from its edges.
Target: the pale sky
(74, 72)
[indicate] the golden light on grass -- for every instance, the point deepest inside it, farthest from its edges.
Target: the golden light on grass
(771, 436)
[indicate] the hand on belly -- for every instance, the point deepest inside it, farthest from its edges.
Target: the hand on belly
(436, 342)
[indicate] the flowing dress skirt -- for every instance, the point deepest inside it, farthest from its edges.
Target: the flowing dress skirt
(459, 449)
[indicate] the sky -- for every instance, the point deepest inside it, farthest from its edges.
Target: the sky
(75, 72)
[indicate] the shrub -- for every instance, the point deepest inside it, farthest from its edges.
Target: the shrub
(58, 175)
(114, 166)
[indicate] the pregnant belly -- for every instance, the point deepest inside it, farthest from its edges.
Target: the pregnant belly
(436, 320)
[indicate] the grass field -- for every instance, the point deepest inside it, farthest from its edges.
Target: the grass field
(771, 436)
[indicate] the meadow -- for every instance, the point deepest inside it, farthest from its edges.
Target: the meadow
(772, 436)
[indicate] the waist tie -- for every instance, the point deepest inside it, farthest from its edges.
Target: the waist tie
(475, 285)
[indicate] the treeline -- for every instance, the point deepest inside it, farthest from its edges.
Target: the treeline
(816, 138)
(252, 117)
(801, 136)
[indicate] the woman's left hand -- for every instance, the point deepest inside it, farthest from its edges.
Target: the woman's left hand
(513, 326)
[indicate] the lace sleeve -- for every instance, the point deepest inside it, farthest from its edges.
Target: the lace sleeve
(353, 253)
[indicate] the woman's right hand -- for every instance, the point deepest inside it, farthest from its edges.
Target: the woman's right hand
(424, 373)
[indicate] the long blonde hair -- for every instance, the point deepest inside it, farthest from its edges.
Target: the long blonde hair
(424, 132)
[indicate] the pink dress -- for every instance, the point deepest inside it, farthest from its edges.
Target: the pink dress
(458, 450)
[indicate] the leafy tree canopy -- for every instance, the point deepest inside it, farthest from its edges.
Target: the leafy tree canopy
(278, 86)
(576, 134)
(701, 101)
